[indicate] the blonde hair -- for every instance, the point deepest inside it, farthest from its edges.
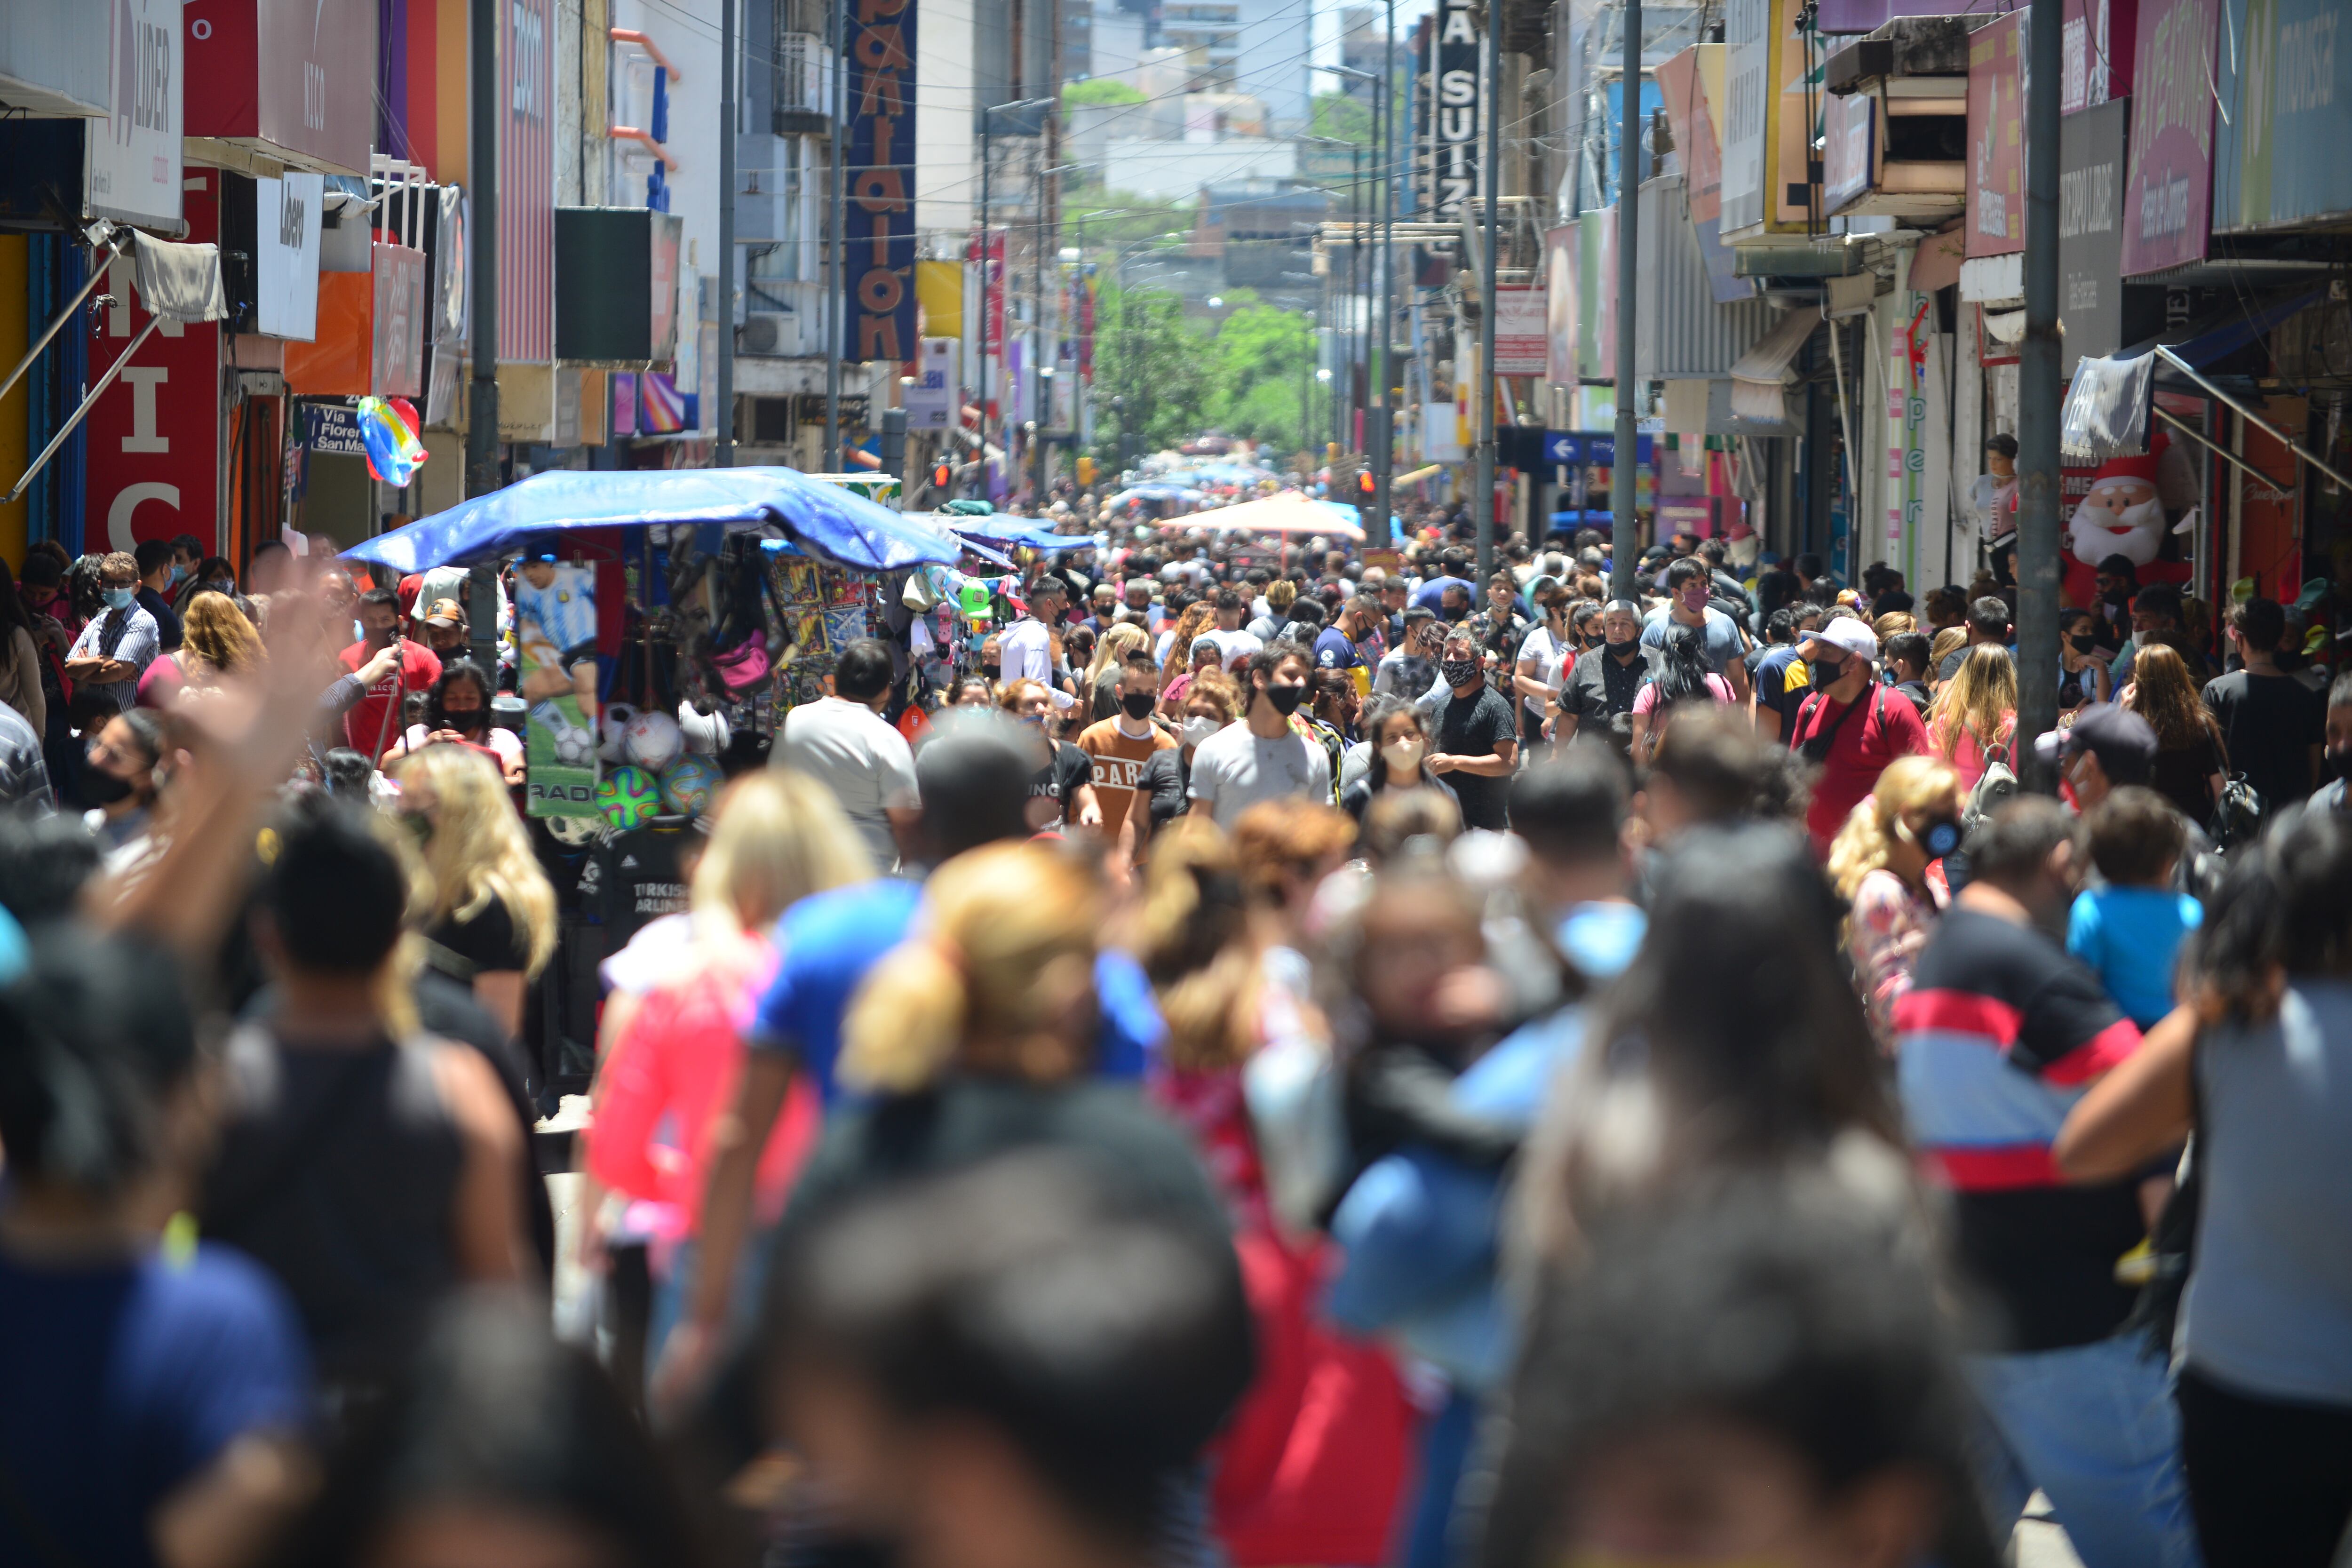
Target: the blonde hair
(1894, 624)
(1909, 783)
(1981, 697)
(1007, 933)
(1949, 641)
(1190, 624)
(217, 632)
(1219, 689)
(777, 836)
(1009, 695)
(1281, 594)
(1119, 639)
(1192, 938)
(479, 850)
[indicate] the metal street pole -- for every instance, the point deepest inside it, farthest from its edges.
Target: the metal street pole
(2037, 405)
(723, 454)
(1483, 502)
(482, 399)
(1623, 545)
(836, 218)
(1381, 447)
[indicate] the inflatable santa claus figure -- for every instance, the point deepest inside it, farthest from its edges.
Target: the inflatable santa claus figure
(2123, 515)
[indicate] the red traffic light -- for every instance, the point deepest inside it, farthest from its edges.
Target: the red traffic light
(942, 477)
(1364, 486)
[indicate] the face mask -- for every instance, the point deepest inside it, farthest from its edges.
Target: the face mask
(102, 788)
(1403, 755)
(121, 598)
(1198, 728)
(1451, 613)
(1286, 698)
(218, 586)
(1136, 704)
(179, 573)
(465, 718)
(992, 671)
(1459, 672)
(1940, 837)
(1826, 672)
(2084, 645)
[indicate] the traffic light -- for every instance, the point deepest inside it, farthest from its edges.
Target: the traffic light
(943, 477)
(1366, 490)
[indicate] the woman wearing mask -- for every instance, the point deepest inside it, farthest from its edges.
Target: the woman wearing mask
(2082, 667)
(1120, 641)
(1682, 677)
(119, 783)
(458, 712)
(1214, 701)
(1879, 864)
(1176, 663)
(1974, 719)
(2191, 761)
(1062, 792)
(158, 1387)
(777, 836)
(1399, 738)
(214, 574)
(1539, 665)
(492, 924)
(971, 692)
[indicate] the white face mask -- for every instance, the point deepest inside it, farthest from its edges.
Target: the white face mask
(1198, 728)
(1403, 755)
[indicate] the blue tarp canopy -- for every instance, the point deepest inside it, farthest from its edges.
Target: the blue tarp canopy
(824, 521)
(1154, 491)
(1011, 531)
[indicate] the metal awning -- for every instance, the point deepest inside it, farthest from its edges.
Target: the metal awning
(1759, 378)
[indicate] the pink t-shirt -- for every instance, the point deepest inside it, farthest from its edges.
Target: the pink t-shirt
(1647, 699)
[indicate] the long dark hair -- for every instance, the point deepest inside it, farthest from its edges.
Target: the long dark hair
(456, 671)
(1375, 719)
(13, 616)
(1682, 670)
(86, 582)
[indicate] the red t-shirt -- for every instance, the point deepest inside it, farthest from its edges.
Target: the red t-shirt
(1885, 727)
(374, 722)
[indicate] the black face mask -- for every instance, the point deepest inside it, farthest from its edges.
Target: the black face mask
(464, 719)
(1826, 673)
(1136, 704)
(1286, 698)
(101, 788)
(2084, 645)
(992, 671)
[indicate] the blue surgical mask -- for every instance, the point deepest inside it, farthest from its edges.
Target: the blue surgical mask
(179, 573)
(121, 598)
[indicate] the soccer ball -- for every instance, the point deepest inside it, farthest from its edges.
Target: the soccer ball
(689, 783)
(576, 830)
(614, 726)
(575, 745)
(706, 733)
(628, 797)
(652, 740)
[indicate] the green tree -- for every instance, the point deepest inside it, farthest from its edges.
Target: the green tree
(1343, 119)
(1104, 89)
(1265, 357)
(1153, 370)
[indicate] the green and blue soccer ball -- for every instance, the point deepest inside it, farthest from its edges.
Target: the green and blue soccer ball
(629, 797)
(689, 782)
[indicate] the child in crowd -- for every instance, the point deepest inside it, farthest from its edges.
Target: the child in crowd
(2129, 927)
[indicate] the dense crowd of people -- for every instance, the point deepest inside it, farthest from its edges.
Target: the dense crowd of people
(1262, 1058)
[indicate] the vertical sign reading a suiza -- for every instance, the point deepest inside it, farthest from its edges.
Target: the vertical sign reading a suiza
(2168, 188)
(877, 250)
(1457, 92)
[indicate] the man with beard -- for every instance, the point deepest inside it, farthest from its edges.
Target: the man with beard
(1605, 680)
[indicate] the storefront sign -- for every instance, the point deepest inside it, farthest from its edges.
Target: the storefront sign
(53, 58)
(1560, 304)
(1995, 220)
(1519, 339)
(1456, 108)
(2168, 188)
(1681, 88)
(286, 215)
(878, 317)
(2279, 155)
(526, 207)
(131, 158)
(1748, 38)
(1850, 133)
(332, 428)
(931, 402)
(2090, 230)
(155, 435)
(298, 75)
(399, 355)
(2094, 46)
(1907, 418)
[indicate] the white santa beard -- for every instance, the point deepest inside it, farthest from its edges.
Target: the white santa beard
(2135, 534)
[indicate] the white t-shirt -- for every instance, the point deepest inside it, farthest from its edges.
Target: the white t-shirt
(1234, 770)
(1545, 649)
(1026, 652)
(868, 766)
(1231, 644)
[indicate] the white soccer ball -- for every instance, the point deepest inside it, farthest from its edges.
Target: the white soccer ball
(574, 744)
(707, 734)
(652, 741)
(614, 726)
(577, 831)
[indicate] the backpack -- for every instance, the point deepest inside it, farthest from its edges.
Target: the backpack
(1997, 785)
(2237, 815)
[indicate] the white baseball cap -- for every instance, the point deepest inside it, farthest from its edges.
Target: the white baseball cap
(1847, 633)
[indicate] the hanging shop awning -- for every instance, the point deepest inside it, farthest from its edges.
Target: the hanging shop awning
(2106, 408)
(2226, 330)
(1760, 377)
(829, 522)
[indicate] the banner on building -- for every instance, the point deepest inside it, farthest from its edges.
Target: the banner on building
(2286, 85)
(878, 261)
(931, 402)
(555, 639)
(526, 203)
(286, 214)
(1520, 340)
(1995, 222)
(130, 158)
(153, 457)
(2090, 230)
(1457, 114)
(2169, 188)
(1561, 300)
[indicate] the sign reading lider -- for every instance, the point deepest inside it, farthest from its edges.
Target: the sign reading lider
(879, 255)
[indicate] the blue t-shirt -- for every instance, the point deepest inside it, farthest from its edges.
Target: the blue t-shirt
(2130, 937)
(1431, 596)
(832, 940)
(122, 1381)
(1335, 651)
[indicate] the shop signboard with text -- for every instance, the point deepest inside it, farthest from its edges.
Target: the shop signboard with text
(1994, 222)
(2090, 230)
(297, 76)
(130, 158)
(877, 318)
(2169, 179)
(2286, 91)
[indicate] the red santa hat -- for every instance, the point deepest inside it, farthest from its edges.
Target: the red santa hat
(2143, 468)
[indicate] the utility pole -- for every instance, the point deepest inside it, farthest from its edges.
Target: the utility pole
(835, 221)
(482, 400)
(723, 454)
(1623, 545)
(1483, 502)
(1379, 444)
(2037, 405)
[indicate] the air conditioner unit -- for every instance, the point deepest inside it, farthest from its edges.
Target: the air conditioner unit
(774, 332)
